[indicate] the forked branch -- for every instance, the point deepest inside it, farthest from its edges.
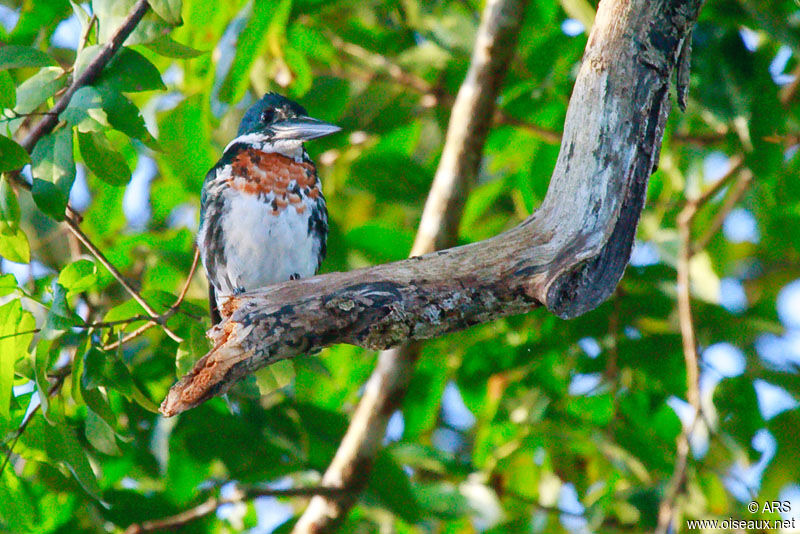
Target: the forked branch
(568, 256)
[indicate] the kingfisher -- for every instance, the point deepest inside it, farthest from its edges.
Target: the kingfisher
(263, 218)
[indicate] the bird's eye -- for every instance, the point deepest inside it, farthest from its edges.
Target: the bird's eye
(267, 115)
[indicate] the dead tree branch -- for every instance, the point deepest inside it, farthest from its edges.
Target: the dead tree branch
(458, 167)
(568, 256)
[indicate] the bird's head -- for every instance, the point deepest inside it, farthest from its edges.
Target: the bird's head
(278, 118)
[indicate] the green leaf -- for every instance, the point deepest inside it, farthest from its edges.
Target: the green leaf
(53, 172)
(33, 92)
(301, 68)
(169, 10)
(8, 92)
(78, 276)
(185, 136)
(275, 376)
(101, 158)
(43, 357)
(250, 45)
(18, 510)
(8, 284)
(100, 434)
(390, 484)
(59, 317)
(381, 242)
(194, 347)
(85, 110)
(12, 156)
(598, 409)
(112, 13)
(168, 47)
(124, 116)
(63, 445)
(105, 369)
(130, 71)
(14, 244)
(14, 57)
(82, 16)
(97, 402)
(16, 327)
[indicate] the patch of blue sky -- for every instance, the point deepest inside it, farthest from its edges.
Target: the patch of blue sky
(454, 412)
(136, 201)
(743, 479)
(644, 254)
(740, 226)
(732, 296)
(572, 27)
(772, 399)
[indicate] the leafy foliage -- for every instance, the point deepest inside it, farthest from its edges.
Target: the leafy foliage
(502, 423)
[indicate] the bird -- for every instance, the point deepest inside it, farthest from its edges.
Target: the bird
(263, 218)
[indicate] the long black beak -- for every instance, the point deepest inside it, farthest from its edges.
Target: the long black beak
(302, 129)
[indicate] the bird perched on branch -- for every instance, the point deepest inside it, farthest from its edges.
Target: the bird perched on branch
(263, 218)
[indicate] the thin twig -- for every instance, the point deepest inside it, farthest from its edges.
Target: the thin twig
(90, 73)
(734, 164)
(686, 249)
(91, 247)
(739, 188)
(85, 37)
(666, 510)
(420, 85)
(164, 316)
(210, 505)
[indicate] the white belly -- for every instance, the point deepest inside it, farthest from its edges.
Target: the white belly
(262, 248)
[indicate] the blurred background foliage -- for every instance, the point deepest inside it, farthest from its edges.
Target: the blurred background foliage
(529, 424)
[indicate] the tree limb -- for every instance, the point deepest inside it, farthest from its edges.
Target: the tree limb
(568, 256)
(458, 167)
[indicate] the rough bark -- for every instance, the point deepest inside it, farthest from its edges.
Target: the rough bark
(568, 256)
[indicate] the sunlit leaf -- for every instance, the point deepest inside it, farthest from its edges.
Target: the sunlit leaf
(124, 116)
(130, 71)
(35, 90)
(251, 44)
(169, 10)
(168, 47)
(16, 333)
(102, 159)
(112, 13)
(85, 110)
(104, 369)
(100, 434)
(78, 276)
